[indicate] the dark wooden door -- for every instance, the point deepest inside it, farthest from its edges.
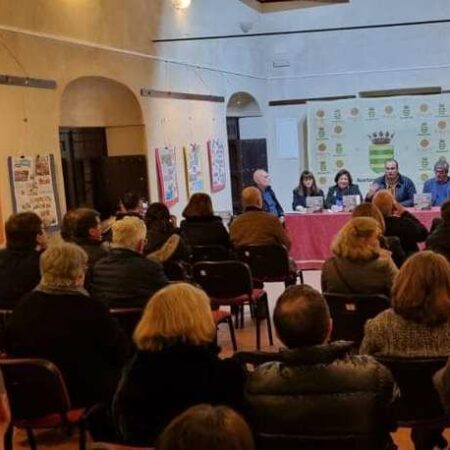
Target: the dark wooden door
(91, 178)
(246, 155)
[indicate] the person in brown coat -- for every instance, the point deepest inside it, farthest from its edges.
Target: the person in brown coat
(255, 226)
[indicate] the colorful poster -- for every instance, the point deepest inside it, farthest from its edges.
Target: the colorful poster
(361, 134)
(193, 167)
(217, 167)
(33, 187)
(166, 164)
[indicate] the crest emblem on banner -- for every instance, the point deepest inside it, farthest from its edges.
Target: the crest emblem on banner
(380, 150)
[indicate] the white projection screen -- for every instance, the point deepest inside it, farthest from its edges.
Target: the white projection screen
(360, 134)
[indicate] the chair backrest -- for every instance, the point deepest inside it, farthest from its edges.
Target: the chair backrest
(35, 388)
(176, 270)
(350, 312)
(209, 253)
(223, 279)
(128, 318)
(419, 400)
(267, 262)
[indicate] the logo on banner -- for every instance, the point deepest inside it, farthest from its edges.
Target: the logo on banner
(380, 150)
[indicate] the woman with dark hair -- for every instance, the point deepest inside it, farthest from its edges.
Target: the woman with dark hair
(200, 226)
(160, 228)
(417, 325)
(306, 188)
(344, 186)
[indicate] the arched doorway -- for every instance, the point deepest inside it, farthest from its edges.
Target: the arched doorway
(102, 139)
(247, 150)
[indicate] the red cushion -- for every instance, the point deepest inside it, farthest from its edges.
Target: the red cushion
(241, 299)
(50, 421)
(219, 315)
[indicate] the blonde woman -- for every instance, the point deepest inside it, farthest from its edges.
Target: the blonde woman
(60, 322)
(176, 366)
(359, 264)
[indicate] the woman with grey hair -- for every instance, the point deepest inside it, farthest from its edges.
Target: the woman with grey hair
(58, 321)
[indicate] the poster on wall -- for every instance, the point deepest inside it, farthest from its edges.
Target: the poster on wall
(166, 164)
(193, 168)
(33, 186)
(217, 168)
(361, 134)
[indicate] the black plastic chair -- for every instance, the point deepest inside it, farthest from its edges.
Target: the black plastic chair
(269, 263)
(209, 253)
(38, 398)
(221, 316)
(128, 318)
(177, 270)
(350, 312)
(230, 283)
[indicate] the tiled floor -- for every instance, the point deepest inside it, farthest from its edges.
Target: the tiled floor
(246, 341)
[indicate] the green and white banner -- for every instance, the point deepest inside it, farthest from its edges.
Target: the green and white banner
(360, 134)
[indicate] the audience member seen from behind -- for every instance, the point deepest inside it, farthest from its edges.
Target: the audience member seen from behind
(399, 222)
(320, 385)
(439, 239)
(176, 366)
(359, 264)
(125, 277)
(343, 186)
(418, 324)
(256, 226)
(439, 186)
(391, 243)
(200, 226)
(130, 204)
(19, 261)
(58, 321)
(161, 228)
(270, 201)
(206, 427)
(401, 187)
(306, 188)
(85, 231)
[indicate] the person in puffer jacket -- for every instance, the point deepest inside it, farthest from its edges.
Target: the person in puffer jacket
(314, 392)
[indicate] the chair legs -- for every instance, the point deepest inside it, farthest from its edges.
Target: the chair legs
(229, 321)
(31, 439)
(9, 438)
(82, 427)
(262, 312)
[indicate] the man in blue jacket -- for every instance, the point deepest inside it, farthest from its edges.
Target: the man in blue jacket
(401, 187)
(270, 202)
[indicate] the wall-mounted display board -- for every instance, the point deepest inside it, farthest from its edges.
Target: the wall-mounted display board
(217, 167)
(166, 164)
(193, 169)
(33, 187)
(360, 134)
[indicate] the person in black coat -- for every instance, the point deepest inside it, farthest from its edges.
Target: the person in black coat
(82, 227)
(316, 390)
(58, 321)
(439, 239)
(344, 186)
(176, 366)
(19, 261)
(306, 188)
(399, 222)
(125, 277)
(200, 226)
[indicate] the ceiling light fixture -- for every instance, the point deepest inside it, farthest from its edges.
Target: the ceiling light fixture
(181, 4)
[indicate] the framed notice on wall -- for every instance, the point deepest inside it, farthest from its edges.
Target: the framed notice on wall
(193, 167)
(217, 168)
(33, 187)
(166, 164)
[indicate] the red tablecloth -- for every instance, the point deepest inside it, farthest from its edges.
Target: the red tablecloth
(312, 234)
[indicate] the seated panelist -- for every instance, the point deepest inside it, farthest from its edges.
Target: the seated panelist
(344, 186)
(306, 188)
